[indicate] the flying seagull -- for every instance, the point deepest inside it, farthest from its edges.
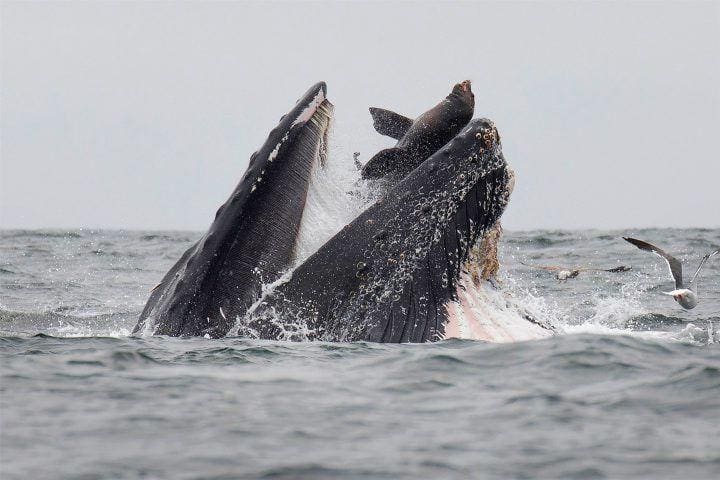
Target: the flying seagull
(563, 273)
(685, 296)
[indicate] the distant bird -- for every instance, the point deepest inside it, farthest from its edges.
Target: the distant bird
(685, 296)
(563, 273)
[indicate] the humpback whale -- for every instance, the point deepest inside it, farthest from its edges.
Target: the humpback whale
(419, 138)
(254, 234)
(407, 269)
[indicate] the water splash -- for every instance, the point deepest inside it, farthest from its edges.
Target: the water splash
(335, 198)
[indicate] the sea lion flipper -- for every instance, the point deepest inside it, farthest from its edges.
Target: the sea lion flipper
(390, 123)
(384, 162)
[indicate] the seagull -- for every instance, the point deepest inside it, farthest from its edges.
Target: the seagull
(562, 273)
(685, 296)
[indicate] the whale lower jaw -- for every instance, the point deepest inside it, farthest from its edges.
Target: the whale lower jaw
(481, 311)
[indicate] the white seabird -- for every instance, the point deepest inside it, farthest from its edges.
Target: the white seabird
(686, 296)
(563, 273)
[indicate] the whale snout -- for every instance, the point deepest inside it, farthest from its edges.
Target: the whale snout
(486, 132)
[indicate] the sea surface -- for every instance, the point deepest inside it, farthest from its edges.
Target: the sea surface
(630, 388)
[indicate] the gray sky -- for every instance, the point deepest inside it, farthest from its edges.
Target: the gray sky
(145, 115)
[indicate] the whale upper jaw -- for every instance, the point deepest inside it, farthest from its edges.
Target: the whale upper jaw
(217, 279)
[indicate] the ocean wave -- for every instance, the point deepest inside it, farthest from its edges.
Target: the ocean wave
(60, 324)
(41, 233)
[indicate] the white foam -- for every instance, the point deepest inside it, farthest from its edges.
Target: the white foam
(485, 313)
(608, 315)
(71, 330)
(616, 311)
(329, 205)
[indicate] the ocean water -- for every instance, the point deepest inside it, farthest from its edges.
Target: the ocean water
(630, 388)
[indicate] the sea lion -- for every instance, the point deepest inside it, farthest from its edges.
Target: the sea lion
(418, 139)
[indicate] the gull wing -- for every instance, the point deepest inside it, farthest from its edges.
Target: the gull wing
(673, 263)
(702, 262)
(618, 269)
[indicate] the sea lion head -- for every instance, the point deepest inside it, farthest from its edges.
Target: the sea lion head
(463, 91)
